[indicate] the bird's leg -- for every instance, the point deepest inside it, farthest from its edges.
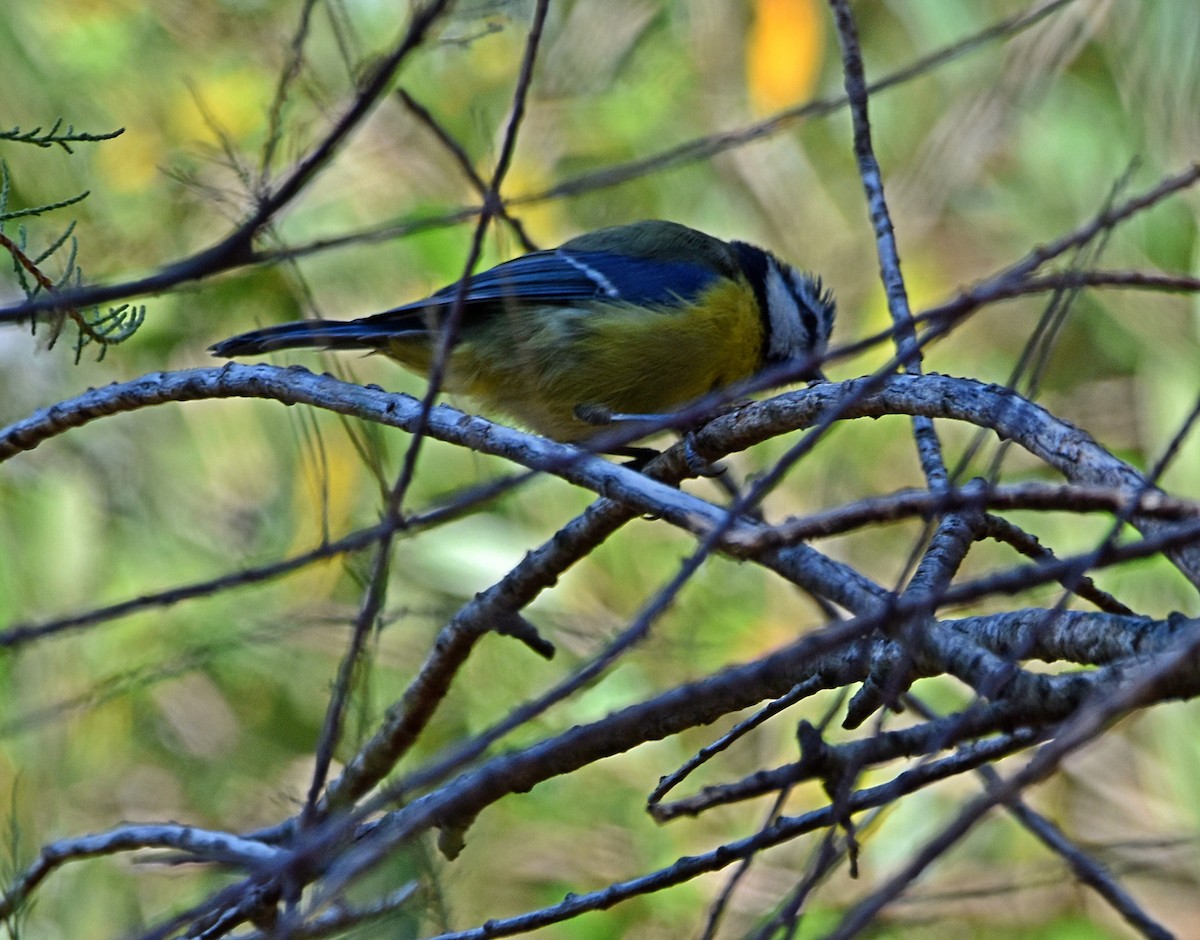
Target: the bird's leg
(600, 416)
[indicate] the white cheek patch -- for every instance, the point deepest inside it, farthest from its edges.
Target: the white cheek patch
(789, 338)
(604, 284)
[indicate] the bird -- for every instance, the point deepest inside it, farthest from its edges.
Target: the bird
(624, 322)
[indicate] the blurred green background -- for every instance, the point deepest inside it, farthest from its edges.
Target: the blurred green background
(207, 712)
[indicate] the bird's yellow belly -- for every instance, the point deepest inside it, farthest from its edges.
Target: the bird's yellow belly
(541, 365)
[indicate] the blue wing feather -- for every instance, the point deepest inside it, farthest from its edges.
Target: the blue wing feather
(558, 277)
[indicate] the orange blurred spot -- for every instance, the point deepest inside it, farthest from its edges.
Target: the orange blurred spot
(783, 53)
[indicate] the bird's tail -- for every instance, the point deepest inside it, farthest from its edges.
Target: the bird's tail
(320, 334)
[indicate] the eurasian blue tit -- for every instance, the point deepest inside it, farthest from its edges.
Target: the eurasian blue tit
(631, 320)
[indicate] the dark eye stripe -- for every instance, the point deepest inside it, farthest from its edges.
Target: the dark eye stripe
(804, 300)
(821, 304)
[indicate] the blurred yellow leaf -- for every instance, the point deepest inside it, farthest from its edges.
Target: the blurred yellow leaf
(131, 164)
(783, 53)
(544, 221)
(230, 103)
(327, 489)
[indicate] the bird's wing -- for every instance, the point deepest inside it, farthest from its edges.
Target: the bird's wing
(563, 277)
